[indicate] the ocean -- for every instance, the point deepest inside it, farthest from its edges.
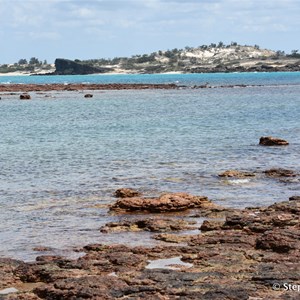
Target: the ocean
(63, 156)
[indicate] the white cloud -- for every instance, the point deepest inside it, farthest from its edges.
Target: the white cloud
(148, 25)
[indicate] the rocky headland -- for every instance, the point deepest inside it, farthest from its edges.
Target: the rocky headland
(213, 58)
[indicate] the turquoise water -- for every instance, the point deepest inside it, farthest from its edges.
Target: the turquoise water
(63, 156)
(278, 78)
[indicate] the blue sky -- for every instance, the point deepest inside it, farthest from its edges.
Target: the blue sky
(84, 29)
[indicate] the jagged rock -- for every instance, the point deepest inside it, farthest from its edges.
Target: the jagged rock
(165, 203)
(150, 224)
(272, 141)
(237, 260)
(126, 193)
(280, 240)
(69, 67)
(209, 225)
(172, 238)
(237, 174)
(88, 287)
(280, 173)
(25, 97)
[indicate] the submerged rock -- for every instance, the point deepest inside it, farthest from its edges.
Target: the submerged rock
(280, 173)
(272, 141)
(126, 193)
(25, 97)
(165, 203)
(236, 174)
(88, 96)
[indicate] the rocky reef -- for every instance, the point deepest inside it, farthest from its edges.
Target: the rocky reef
(251, 253)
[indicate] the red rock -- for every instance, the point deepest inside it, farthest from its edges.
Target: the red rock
(25, 97)
(126, 193)
(272, 141)
(165, 203)
(280, 173)
(235, 173)
(279, 240)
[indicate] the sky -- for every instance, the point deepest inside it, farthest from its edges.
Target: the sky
(91, 29)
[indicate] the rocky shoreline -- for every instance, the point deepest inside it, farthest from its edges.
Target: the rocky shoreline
(252, 253)
(10, 89)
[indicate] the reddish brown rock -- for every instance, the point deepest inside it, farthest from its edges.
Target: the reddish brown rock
(165, 203)
(237, 174)
(149, 224)
(126, 193)
(88, 287)
(240, 259)
(280, 173)
(209, 225)
(272, 141)
(281, 240)
(25, 97)
(81, 87)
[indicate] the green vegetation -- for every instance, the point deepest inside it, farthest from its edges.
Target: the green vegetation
(189, 59)
(217, 55)
(31, 66)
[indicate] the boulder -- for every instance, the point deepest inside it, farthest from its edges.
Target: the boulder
(165, 203)
(126, 193)
(281, 240)
(236, 174)
(280, 173)
(88, 96)
(272, 141)
(25, 97)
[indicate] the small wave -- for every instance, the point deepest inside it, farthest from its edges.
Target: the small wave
(238, 181)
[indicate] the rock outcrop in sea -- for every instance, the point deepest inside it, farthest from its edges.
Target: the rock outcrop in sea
(70, 67)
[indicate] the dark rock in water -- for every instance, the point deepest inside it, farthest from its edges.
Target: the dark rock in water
(272, 141)
(88, 96)
(165, 203)
(25, 97)
(69, 67)
(280, 173)
(295, 198)
(237, 174)
(126, 193)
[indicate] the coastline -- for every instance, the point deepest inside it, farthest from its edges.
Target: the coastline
(241, 254)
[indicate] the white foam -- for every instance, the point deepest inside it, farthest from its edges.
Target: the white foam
(166, 263)
(8, 291)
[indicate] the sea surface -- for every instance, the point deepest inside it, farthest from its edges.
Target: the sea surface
(63, 156)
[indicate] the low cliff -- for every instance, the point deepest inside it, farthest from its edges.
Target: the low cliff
(69, 67)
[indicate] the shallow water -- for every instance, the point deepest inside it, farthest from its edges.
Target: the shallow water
(63, 156)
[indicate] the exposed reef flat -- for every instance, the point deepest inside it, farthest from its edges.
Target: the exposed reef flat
(80, 86)
(25, 88)
(250, 254)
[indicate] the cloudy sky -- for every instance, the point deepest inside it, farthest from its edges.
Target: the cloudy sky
(84, 29)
